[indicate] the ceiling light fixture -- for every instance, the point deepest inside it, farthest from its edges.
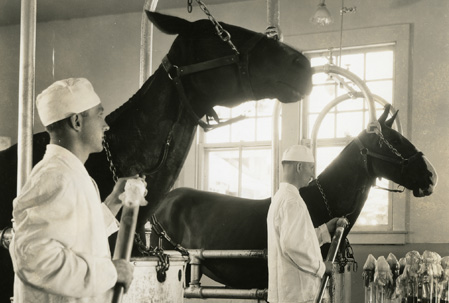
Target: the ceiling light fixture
(322, 15)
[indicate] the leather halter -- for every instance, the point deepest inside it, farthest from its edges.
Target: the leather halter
(175, 73)
(365, 152)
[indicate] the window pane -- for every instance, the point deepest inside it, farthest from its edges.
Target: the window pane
(324, 156)
(347, 87)
(351, 104)
(349, 124)
(320, 97)
(379, 65)
(248, 109)
(375, 210)
(353, 63)
(223, 172)
(319, 78)
(327, 127)
(383, 89)
(322, 60)
(243, 130)
(223, 112)
(367, 115)
(218, 135)
(265, 107)
(264, 129)
(256, 173)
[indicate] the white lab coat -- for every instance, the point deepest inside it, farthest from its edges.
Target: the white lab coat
(295, 265)
(60, 249)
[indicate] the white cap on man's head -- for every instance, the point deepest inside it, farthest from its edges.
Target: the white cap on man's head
(65, 98)
(298, 153)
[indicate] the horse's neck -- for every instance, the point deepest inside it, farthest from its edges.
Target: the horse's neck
(142, 126)
(345, 182)
(151, 87)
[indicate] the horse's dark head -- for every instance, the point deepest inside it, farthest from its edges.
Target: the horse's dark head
(390, 155)
(266, 68)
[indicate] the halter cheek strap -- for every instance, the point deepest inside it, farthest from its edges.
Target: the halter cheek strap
(365, 152)
(241, 59)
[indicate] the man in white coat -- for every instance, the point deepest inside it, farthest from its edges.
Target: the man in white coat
(60, 249)
(295, 265)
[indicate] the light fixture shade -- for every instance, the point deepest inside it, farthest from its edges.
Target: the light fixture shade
(322, 15)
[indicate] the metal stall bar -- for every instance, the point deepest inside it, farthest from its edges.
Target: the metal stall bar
(195, 290)
(26, 91)
(26, 102)
(225, 293)
(146, 42)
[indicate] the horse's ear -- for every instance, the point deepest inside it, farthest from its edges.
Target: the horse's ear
(384, 116)
(390, 121)
(168, 24)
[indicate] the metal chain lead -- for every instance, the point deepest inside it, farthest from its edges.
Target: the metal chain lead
(342, 259)
(326, 202)
(164, 262)
(189, 6)
(391, 147)
(221, 32)
(109, 158)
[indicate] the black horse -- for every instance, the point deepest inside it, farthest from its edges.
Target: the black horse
(152, 132)
(205, 220)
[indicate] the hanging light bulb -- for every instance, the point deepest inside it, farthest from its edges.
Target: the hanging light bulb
(322, 15)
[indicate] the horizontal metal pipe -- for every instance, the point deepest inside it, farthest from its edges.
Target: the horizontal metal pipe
(217, 292)
(205, 254)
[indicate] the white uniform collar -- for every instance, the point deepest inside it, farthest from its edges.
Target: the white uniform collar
(289, 187)
(66, 155)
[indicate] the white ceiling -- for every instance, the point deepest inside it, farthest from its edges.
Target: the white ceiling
(48, 10)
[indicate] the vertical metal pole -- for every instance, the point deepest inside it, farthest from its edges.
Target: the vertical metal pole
(146, 42)
(26, 91)
(275, 149)
(273, 17)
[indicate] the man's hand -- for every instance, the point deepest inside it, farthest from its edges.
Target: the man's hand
(112, 201)
(125, 272)
(334, 223)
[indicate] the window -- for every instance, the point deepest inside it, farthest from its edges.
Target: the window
(237, 157)
(374, 65)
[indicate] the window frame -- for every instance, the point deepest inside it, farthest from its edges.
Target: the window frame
(204, 148)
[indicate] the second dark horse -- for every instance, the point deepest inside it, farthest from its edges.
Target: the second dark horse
(152, 132)
(204, 220)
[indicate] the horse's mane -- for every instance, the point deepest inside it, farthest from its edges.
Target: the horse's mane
(113, 116)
